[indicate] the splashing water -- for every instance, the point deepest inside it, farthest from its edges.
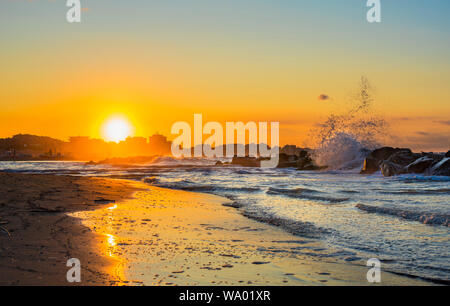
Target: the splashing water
(343, 140)
(342, 151)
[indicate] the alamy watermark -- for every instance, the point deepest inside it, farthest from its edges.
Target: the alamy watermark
(213, 146)
(374, 13)
(374, 273)
(74, 12)
(74, 273)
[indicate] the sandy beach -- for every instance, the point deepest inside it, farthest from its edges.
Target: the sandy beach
(40, 237)
(129, 233)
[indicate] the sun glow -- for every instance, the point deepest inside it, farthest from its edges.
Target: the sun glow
(116, 129)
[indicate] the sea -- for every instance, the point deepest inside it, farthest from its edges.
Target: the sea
(403, 221)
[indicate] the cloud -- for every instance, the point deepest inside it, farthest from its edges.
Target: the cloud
(422, 133)
(428, 142)
(444, 122)
(421, 141)
(324, 97)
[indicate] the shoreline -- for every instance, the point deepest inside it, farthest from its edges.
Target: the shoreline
(157, 236)
(42, 238)
(174, 237)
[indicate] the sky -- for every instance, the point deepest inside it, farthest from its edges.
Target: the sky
(159, 62)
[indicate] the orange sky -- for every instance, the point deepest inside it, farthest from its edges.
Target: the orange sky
(267, 63)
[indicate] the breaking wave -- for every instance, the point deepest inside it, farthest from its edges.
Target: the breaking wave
(423, 217)
(303, 193)
(419, 191)
(343, 140)
(188, 186)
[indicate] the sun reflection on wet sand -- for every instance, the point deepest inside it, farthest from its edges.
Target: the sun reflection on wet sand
(169, 237)
(112, 207)
(111, 244)
(102, 222)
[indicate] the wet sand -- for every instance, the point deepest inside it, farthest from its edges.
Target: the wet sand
(157, 237)
(171, 237)
(37, 237)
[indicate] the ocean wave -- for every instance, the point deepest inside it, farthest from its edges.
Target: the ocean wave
(304, 193)
(412, 178)
(298, 228)
(423, 217)
(184, 185)
(349, 191)
(192, 161)
(419, 191)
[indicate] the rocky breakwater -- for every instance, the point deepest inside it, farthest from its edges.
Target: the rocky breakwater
(301, 161)
(394, 161)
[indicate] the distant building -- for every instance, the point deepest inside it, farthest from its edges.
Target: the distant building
(157, 139)
(136, 141)
(79, 139)
(158, 144)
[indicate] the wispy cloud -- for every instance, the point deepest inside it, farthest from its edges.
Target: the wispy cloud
(422, 133)
(444, 122)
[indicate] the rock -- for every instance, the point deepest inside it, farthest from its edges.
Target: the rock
(447, 154)
(390, 169)
(246, 161)
(373, 160)
(401, 161)
(420, 165)
(371, 165)
(219, 163)
(441, 168)
(286, 161)
(303, 154)
(386, 152)
(403, 157)
(303, 162)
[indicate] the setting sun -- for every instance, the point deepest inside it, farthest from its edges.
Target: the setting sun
(116, 129)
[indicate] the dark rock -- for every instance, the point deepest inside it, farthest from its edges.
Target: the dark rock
(420, 165)
(374, 159)
(394, 161)
(219, 163)
(286, 161)
(386, 152)
(246, 161)
(302, 162)
(441, 168)
(390, 169)
(305, 162)
(371, 165)
(447, 154)
(403, 157)
(303, 154)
